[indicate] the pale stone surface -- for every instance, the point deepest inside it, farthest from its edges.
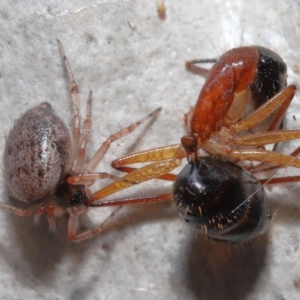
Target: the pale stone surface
(134, 63)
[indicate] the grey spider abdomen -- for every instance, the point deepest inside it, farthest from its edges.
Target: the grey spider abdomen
(36, 153)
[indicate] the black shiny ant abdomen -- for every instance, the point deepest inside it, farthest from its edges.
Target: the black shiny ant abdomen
(221, 200)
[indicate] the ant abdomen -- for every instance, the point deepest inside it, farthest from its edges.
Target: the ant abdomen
(221, 200)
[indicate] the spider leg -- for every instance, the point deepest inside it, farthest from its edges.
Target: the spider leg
(73, 225)
(52, 211)
(16, 211)
(84, 139)
(106, 144)
(75, 105)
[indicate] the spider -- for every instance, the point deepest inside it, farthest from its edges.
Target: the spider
(45, 168)
(245, 88)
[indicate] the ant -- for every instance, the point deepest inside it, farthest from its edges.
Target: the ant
(44, 167)
(245, 88)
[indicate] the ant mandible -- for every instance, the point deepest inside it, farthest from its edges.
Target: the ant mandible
(44, 168)
(214, 194)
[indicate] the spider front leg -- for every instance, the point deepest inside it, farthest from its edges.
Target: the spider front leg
(75, 106)
(106, 144)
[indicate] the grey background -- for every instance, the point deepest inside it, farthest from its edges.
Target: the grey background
(134, 63)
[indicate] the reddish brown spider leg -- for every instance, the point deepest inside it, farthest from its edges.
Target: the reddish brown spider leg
(75, 105)
(104, 147)
(52, 211)
(73, 225)
(190, 66)
(131, 201)
(15, 211)
(84, 139)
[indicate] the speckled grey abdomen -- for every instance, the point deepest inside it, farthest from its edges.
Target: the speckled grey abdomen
(36, 153)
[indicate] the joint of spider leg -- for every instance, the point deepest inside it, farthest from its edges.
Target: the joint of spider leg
(74, 87)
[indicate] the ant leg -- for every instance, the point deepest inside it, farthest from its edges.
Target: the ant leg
(73, 225)
(168, 177)
(265, 110)
(277, 121)
(288, 179)
(271, 137)
(156, 154)
(153, 170)
(75, 105)
(86, 131)
(262, 155)
(137, 200)
(104, 147)
(190, 66)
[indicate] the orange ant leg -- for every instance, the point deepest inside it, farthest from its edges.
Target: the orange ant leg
(266, 156)
(106, 144)
(280, 113)
(157, 154)
(137, 200)
(73, 225)
(267, 138)
(288, 179)
(153, 170)
(168, 177)
(267, 167)
(265, 110)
